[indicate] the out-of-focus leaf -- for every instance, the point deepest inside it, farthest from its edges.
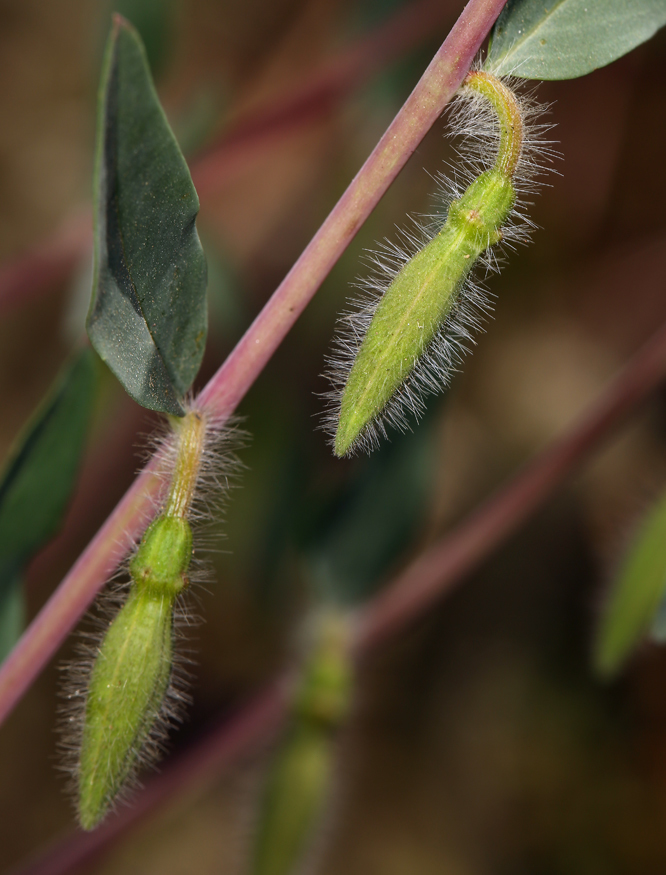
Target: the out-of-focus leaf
(199, 120)
(375, 519)
(40, 473)
(12, 616)
(635, 596)
(147, 316)
(562, 39)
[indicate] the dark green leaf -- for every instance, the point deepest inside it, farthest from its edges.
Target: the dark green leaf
(12, 616)
(562, 39)
(39, 476)
(147, 316)
(636, 595)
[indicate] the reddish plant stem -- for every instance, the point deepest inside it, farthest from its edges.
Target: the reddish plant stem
(431, 577)
(228, 386)
(51, 261)
(421, 109)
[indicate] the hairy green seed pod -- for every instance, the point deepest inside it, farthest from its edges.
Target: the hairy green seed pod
(299, 781)
(424, 293)
(418, 301)
(127, 689)
(129, 682)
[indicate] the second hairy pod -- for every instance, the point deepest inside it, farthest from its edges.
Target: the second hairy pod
(123, 701)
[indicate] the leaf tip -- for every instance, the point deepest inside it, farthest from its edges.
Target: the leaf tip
(119, 22)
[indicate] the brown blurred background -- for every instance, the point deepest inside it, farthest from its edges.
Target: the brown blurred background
(481, 744)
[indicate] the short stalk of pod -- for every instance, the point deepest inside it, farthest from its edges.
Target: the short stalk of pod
(301, 775)
(131, 675)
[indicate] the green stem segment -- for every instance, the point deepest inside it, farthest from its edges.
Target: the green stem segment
(425, 291)
(131, 675)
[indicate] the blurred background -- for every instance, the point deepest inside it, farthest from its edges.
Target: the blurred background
(480, 743)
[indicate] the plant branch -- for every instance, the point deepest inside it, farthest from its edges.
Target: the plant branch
(431, 577)
(229, 385)
(421, 109)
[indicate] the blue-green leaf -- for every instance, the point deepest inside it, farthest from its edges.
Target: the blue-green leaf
(147, 316)
(636, 595)
(562, 39)
(41, 470)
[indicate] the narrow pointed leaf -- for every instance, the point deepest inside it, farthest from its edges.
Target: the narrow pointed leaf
(39, 475)
(562, 39)
(636, 596)
(147, 316)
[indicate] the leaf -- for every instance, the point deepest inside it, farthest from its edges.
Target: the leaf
(12, 617)
(562, 39)
(636, 595)
(39, 476)
(147, 316)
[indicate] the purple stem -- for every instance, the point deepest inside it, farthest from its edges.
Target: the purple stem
(429, 578)
(425, 104)
(226, 389)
